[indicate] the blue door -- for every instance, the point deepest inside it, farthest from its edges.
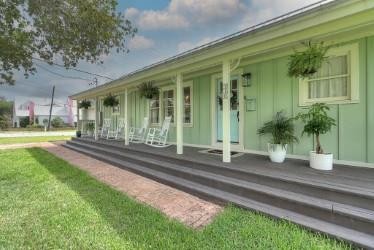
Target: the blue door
(234, 110)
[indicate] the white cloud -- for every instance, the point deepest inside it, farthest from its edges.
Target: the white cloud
(139, 42)
(186, 45)
(186, 13)
(262, 10)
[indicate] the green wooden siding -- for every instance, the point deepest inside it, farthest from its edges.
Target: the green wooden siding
(351, 140)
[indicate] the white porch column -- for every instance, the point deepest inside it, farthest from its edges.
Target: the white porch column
(226, 140)
(78, 116)
(127, 130)
(179, 116)
(96, 119)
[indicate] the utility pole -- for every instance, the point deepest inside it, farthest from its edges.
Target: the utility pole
(50, 109)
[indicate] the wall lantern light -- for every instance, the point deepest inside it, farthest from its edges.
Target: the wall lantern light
(247, 80)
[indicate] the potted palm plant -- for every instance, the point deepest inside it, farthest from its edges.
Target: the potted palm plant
(317, 122)
(281, 128)
(305, 63)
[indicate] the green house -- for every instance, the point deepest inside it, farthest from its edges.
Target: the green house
(219, 94)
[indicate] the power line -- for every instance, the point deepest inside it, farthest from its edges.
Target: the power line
(79, 70)
(61, 75)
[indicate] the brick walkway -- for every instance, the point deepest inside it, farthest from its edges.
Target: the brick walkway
(186, 208)
(25, 145)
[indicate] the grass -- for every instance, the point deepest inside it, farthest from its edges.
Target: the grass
(11, 140)
(46, 204)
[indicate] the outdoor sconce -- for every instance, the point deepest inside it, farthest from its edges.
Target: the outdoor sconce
(247, 80)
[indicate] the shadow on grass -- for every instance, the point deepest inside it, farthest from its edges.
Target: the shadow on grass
(131, 220)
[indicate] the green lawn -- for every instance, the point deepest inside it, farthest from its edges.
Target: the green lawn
(32, 139)
(45, 203)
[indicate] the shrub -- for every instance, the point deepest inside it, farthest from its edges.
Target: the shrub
(24, 121)
(57, 122)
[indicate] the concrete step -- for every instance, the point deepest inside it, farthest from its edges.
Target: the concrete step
(353, 235)
(340, 194)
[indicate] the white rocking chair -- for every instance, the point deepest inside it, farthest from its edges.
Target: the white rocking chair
(119, 133)
(105, 128)
(157, 137)
(137, 135)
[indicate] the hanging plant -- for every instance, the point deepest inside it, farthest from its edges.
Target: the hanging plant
(147, 90)
(306, 63)
(84, 104)
(233, 99)
(110, 101)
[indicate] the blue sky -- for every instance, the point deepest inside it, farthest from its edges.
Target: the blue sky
(166, 27)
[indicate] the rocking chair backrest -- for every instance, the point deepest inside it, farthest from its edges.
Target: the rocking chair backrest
(106, 123)
(121, 124)
(144, 125)
(165, 125)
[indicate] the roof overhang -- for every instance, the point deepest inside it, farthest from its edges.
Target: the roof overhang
(313, 23)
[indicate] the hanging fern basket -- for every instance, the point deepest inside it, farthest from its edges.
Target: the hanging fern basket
(84, 104)
(148, 90)
(306, 63)
(110, 101)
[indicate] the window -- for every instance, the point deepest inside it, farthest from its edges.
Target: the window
(168, 103)
(187, 100)
(154, 105)
(336, 81)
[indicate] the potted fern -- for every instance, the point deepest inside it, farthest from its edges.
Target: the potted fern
(305, 63)
(110, 101)
(148, 90)
(84, 104)
(281, 128)
(317, 122)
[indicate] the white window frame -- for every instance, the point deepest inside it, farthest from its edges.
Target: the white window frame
(352, 53)
(159, 110)
(162, 103)
(190, 85)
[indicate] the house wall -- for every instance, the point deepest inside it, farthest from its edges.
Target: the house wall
(352, 139)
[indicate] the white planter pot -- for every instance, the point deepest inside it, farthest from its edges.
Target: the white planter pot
(277, 152)
(321, 161)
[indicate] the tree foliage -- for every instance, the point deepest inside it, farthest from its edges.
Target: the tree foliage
(6, 109)
(57, 122)
(71, 30)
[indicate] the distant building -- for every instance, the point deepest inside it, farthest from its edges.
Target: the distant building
(37, 110)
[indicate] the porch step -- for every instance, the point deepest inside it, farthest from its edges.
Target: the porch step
(344, 221)
(346, 194)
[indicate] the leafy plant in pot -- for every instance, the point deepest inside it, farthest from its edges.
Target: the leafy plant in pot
(148, 90)
(90, 127)
(110, 101)
(281, 128)
(305, 63)
(317, 122)
(84, 105)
